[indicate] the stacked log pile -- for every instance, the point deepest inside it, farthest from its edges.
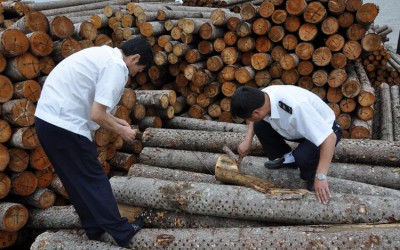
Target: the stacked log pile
(175, 186)
(202, 55)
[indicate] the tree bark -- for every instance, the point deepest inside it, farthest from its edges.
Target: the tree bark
(359, 151)
(386, 113)
(394, 91)
(29, 89)
(200, 198)
(299, 237)
(204, 162)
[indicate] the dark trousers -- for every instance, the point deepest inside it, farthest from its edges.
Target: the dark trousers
(74, 158)
(306, 154)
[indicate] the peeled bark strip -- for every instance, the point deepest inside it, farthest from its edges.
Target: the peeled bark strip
(13, 42)
(395, 96)
(13, 216)
(359, 151)
(19, 112)
(203, 199)
(386, 113)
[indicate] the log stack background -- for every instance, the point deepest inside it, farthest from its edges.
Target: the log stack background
(202, 54)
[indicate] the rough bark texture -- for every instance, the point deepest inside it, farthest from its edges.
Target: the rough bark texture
(355, 237)
(204, 199)
(283, 178)
(356, 151)
(386, 113)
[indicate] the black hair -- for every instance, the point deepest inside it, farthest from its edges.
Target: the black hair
(245, 100)
(139, 45)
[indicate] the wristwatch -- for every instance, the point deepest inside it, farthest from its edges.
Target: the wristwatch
(320, 176)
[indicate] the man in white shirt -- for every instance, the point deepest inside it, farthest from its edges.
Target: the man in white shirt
(284, 112)
(77, 98)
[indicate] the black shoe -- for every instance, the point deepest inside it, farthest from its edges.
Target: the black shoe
(310, 184)
(278, 163)
(137, 224)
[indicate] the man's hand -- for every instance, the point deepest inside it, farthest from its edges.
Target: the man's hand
(322, 191)
(127, 133)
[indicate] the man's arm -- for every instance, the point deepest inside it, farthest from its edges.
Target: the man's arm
(325, 159)
(244, 147)
(100, 116)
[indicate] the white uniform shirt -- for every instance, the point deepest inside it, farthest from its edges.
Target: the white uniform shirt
(298, 113)
(93, 74)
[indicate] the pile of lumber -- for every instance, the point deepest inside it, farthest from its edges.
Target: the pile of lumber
(202, 55)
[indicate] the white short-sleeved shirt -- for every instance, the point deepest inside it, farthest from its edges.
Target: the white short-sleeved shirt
(93, 74)
(298, 113)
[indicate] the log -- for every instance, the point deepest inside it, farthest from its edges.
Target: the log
(82, 7)
(25, 138)
(203, 162)
(200, 198)
(5, 185)
(122, 161)
(13, 216)
(367, 13)
(64, 48)
(7, 239)
(38, 159)
(386, 113)
(23, 67)
(85, 30)
(29, 90)
(304, 50)
(147, 171)
(24, 183)
(315, 12)
(19, 112)
(394, 91)
(38, 6)
(44, 177)
(352, 86)
(57, 186)
(237, 238)
(7, 89)
(42, 198)
(352, 50)
(360, 129)
(360, 151)
(42, 219)
(33, 21)
(367, 93)
(13, 42)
